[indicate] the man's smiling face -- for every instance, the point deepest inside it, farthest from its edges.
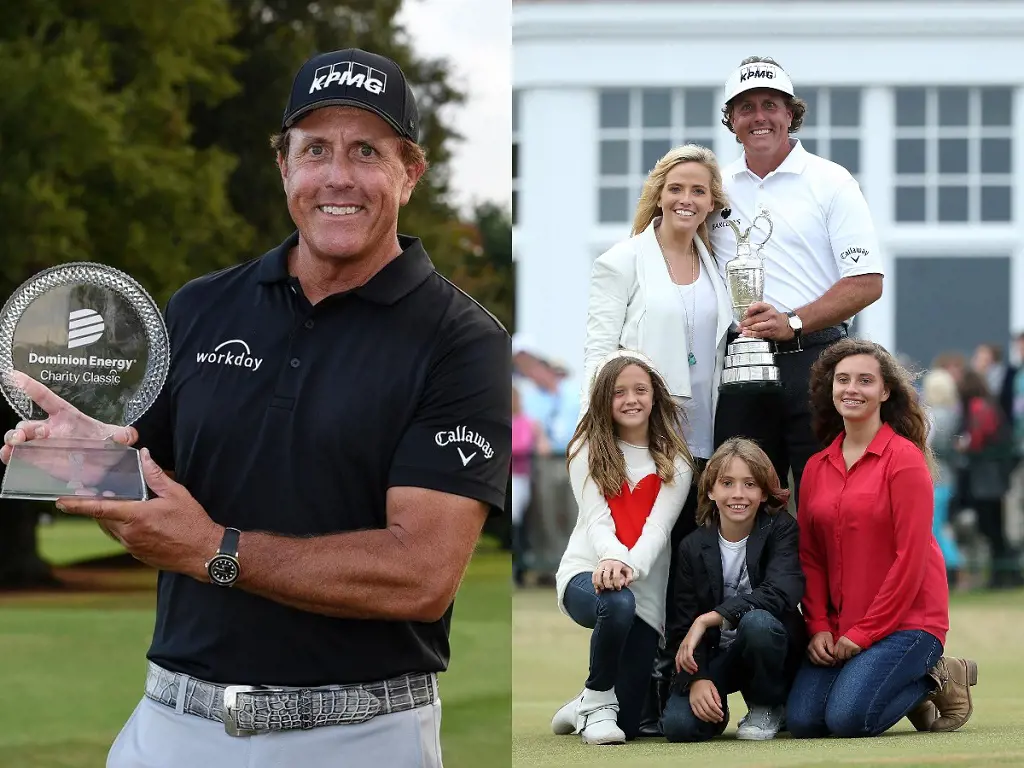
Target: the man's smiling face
(761, 120)
(345, 181)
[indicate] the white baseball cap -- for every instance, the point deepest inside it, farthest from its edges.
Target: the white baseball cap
(757, 74)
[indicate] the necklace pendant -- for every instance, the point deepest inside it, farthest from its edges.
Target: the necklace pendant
(691, 359)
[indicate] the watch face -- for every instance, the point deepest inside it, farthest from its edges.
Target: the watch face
(223, 569)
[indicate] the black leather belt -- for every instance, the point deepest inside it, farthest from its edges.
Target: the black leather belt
(813, 339)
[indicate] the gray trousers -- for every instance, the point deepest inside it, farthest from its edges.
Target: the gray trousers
(156, 736)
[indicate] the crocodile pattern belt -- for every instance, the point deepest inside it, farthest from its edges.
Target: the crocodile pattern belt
(246, 710)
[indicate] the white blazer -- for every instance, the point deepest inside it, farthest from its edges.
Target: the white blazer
(622, 279)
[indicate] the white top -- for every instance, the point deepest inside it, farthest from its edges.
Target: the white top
(823, 229)
(700, 306)
(593, 538)
(634, 305)
(735, 580)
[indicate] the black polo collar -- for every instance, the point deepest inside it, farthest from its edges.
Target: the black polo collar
(397, 279)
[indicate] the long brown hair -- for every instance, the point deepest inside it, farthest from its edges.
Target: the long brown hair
(649, 205)
(597, 428)
(902, 411)
(761, 468)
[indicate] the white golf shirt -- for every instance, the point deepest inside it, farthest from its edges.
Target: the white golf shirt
(822, 226)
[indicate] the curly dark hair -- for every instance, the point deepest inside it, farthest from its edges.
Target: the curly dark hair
(902, 411)
(794, 104)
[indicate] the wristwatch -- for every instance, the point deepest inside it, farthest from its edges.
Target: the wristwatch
(796, 324)
(223, 568)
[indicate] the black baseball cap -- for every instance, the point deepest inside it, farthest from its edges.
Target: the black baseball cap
(354, 78)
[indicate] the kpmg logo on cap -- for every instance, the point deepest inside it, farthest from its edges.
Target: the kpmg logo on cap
(755, 71)
(349, 73)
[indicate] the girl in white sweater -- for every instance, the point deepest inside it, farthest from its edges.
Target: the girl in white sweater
(630, 472)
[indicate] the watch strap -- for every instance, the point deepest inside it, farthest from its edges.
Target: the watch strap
(229, 544)
(797, 331)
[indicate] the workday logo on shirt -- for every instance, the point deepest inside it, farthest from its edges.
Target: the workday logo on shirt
(234, 352)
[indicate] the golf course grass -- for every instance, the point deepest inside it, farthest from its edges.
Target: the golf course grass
(550, 664)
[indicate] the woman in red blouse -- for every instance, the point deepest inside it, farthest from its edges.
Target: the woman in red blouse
(877, 602)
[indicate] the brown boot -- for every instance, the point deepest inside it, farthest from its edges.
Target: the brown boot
(923, 715)
(952, 697)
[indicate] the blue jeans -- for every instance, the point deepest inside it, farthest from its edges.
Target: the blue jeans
(621, 645)
(753, 663)
(866, 695)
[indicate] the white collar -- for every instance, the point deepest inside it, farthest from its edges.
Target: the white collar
(795, 162)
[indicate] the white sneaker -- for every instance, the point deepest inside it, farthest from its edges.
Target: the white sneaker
(761, 723)
(564, 721)
(596, 716)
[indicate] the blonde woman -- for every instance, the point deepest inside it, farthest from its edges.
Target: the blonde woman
(660, 292)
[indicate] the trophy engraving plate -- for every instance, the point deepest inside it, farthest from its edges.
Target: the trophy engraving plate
(758, 376)
(749, 358)
(92, 336)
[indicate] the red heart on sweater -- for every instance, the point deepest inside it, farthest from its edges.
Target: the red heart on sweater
(631, 508)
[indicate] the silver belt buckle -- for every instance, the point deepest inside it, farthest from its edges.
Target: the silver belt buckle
(230, 714)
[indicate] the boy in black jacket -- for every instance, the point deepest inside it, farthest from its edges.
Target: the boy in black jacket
(736, 594)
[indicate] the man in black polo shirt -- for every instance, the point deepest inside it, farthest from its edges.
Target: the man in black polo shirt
(335, 426)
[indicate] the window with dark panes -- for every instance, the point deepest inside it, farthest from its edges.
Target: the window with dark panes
(831, 126)
(953, 154)
(637, 127)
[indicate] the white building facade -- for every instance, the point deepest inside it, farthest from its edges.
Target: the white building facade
(922, 101)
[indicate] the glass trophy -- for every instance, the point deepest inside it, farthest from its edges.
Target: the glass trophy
(96, 352)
